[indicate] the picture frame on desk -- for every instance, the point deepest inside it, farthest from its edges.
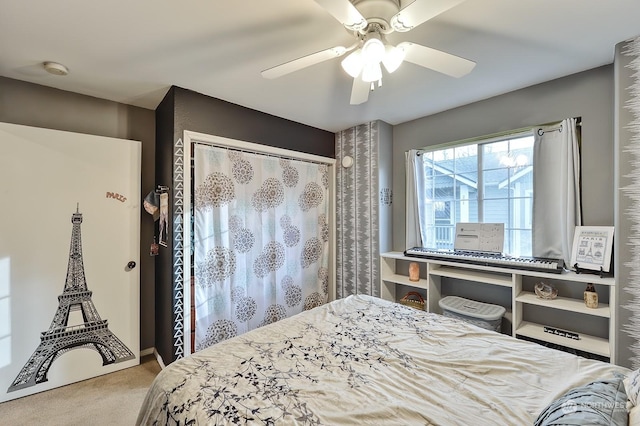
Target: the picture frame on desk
(592, 248)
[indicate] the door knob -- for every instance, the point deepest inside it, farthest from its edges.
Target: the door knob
(131, 265)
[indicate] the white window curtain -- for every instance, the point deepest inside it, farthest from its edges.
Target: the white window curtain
(414, 187)
(556, 204)
(261, 240)
(556, 189)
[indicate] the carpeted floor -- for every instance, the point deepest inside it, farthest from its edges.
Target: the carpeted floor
(114, 400)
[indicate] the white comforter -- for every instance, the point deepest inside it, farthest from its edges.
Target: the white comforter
(363, 360)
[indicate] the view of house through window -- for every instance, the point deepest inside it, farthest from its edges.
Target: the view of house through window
(488, 181)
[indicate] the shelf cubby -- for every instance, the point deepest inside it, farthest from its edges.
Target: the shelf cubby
(392, 275)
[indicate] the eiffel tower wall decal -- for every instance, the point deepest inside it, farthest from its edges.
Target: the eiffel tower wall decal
(61, 337)
(69, 298)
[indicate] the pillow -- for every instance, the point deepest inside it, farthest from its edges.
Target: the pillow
(602, 402)
(632, 387)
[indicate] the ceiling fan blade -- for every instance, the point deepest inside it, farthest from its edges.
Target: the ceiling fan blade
(420, 11)
(359, 91)
(345, 12)
(437, 60)
(303, 62)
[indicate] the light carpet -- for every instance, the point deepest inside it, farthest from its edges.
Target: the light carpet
(111, 399)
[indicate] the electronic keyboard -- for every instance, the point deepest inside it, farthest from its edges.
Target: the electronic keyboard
(540, 264)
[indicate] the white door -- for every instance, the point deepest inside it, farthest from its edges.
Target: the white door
(69, 248)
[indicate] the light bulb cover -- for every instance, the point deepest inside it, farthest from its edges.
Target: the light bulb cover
(373, 50)
(353, 63)
(371, 72)
(393, 58)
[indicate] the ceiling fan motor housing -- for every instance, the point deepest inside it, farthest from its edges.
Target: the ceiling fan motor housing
(377, 11)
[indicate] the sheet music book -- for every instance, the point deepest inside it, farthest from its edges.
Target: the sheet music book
(480, 237)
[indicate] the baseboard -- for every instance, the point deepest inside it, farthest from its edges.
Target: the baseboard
(148, 351)
(154, 352)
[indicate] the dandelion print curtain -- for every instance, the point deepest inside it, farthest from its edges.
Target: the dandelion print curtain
(261, 240)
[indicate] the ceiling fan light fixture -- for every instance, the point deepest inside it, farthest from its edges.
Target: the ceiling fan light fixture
(353, 63)
(371, 21)
(373, 49)
(371, 73)
(393, 58)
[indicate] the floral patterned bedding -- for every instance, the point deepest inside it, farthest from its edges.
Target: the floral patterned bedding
(363, 360)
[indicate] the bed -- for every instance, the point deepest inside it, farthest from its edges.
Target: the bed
(364, 360)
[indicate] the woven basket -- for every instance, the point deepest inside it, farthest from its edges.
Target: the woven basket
(413, 299)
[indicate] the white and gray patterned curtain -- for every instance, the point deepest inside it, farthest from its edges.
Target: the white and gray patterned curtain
(261, 240)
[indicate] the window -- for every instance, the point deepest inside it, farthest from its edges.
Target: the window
(488, 181)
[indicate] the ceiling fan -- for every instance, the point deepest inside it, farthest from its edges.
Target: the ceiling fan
(370, 21)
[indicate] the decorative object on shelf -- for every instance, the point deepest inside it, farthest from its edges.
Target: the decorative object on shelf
(591, 296)
(545, 291)
(414, 271)
(592, 248)
(414, 300)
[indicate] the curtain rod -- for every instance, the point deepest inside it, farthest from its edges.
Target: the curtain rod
(191, 137)
(542, 131)
(487, 138)
(248, 151)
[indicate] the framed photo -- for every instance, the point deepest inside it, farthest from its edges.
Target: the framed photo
(592, 246)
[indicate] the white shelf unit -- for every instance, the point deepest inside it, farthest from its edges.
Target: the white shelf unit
(431, 284)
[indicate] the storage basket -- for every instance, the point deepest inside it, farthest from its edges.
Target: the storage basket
(414, 300)
(481, 314)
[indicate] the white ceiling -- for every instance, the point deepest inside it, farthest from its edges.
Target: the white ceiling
(132, 51)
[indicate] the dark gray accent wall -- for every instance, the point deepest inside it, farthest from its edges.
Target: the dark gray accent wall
(204, 114)
(39, 106)
(182, 110)
(164, 273)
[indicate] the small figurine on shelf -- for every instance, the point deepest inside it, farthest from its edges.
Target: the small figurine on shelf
(545, 291)
(591, 296)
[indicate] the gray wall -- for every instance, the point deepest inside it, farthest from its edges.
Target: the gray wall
(39, 106)
(589, 95)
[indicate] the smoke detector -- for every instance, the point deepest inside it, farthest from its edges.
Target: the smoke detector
(55, 68)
